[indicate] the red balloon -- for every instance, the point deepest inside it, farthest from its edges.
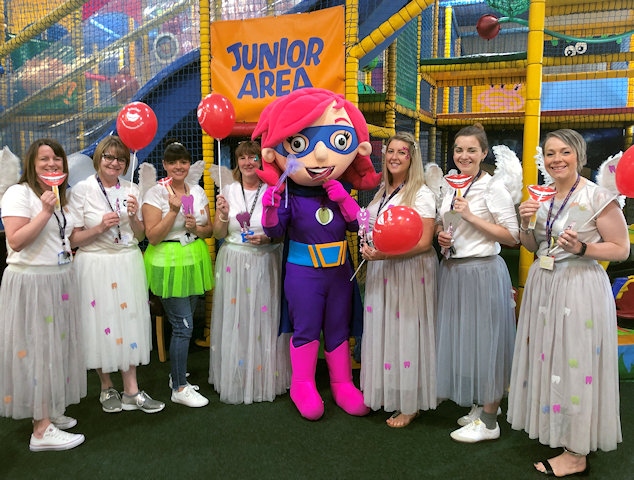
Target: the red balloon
(216, 115)
(488, 26)
(136, 125)
(397, 230)
(624, 175)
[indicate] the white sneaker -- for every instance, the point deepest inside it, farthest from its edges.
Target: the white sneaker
(55, 439)
(189, 397)
(473, 414)
(63, 422)
(476, 431)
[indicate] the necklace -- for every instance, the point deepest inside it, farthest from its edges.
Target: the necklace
(244, 218)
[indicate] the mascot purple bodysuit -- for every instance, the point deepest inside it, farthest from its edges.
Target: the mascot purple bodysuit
(311, 138)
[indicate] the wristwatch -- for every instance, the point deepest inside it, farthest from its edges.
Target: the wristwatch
(582, 252)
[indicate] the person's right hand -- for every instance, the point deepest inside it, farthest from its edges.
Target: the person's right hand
(222, 206)
(49, 200)
(527, 209)
(175, 203)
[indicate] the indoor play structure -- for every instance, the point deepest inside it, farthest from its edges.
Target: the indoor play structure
(519, 67)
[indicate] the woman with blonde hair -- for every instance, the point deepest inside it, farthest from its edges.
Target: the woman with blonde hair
(398, 353)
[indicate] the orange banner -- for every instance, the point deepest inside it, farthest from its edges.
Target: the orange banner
(276, 55)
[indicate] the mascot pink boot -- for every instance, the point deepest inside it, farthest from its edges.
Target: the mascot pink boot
(346, 395)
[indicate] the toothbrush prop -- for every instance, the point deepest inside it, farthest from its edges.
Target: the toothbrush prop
(54, 181)
(539, 193)
(458, 181)
(292, 166)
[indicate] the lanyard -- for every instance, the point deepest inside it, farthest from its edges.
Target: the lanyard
(118, 210)
(62, 228)
(255, 201)
(386, 202)
(453, 200)
(549, 222)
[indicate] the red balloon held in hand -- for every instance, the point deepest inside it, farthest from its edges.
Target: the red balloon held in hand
(624, 175)
(136, 125)
(216, 115)
(397, 230)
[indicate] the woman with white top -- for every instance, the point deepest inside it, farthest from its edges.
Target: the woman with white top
(476, 310)
(398, 352)
(113, 291)
(177, 262)
(249, 361)
(42, 367)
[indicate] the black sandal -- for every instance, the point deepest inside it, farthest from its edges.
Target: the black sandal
(549, 472)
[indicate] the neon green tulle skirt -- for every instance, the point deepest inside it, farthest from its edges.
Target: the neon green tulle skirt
(174, 270)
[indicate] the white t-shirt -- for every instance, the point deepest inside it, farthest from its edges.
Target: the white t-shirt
(20, 201)
(491, 201)
(88, 205)
(158, 197)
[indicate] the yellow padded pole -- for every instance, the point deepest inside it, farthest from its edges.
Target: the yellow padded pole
(535, 54)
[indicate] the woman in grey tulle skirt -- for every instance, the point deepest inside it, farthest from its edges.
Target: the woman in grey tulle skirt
(564, 383)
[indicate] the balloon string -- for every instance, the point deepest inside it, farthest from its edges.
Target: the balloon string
(219, 165)
(133, 162)
(132, 165)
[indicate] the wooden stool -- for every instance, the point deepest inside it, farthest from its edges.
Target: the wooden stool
(157, 312)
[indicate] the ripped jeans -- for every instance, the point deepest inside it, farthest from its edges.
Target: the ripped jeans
(180, 313)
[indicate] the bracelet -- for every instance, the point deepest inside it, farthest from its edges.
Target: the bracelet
(223, 220)
(582, 252)
(526, 230)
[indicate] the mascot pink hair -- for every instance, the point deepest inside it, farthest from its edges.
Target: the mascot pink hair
(311, 139)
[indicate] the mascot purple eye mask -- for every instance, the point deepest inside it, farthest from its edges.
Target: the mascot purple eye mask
(311, 139)
(338, 138)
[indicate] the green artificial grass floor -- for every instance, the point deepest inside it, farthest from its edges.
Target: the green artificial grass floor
(272, 441)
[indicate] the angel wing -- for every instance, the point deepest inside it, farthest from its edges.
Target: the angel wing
(9, 170)
(221, 175)
(434, 179)
(508, 170)
(147, 177)
(539, 161)
(606, 176)
(195, 173)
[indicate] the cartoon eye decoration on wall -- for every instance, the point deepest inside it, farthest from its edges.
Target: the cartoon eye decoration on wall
(578, 48)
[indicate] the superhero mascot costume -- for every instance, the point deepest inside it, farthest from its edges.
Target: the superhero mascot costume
(310, 139)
